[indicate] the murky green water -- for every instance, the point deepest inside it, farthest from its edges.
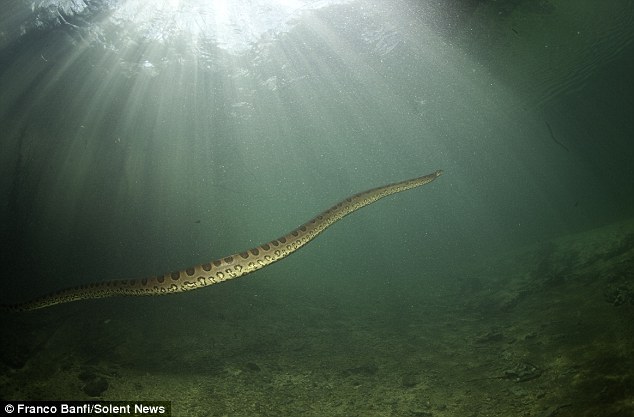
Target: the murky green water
(142, 138)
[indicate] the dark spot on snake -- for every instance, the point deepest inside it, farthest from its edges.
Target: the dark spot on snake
(228, 259)
(217, 262)
(244, 255)
(175, 275)
(283, 239)
(190, 271)
(266, 246)
(160, 278)
(144, 281)
(206, 267)
(255, 251)
(132, 282)
(295, 233)
(274, 243)
(302, 228)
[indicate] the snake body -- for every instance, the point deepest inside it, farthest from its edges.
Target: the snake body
(229, 267)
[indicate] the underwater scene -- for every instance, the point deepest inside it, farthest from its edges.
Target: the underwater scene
(418, 208)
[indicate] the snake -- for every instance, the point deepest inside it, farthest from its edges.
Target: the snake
(228, 267)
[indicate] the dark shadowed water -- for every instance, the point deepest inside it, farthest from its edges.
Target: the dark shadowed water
(139, 137)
